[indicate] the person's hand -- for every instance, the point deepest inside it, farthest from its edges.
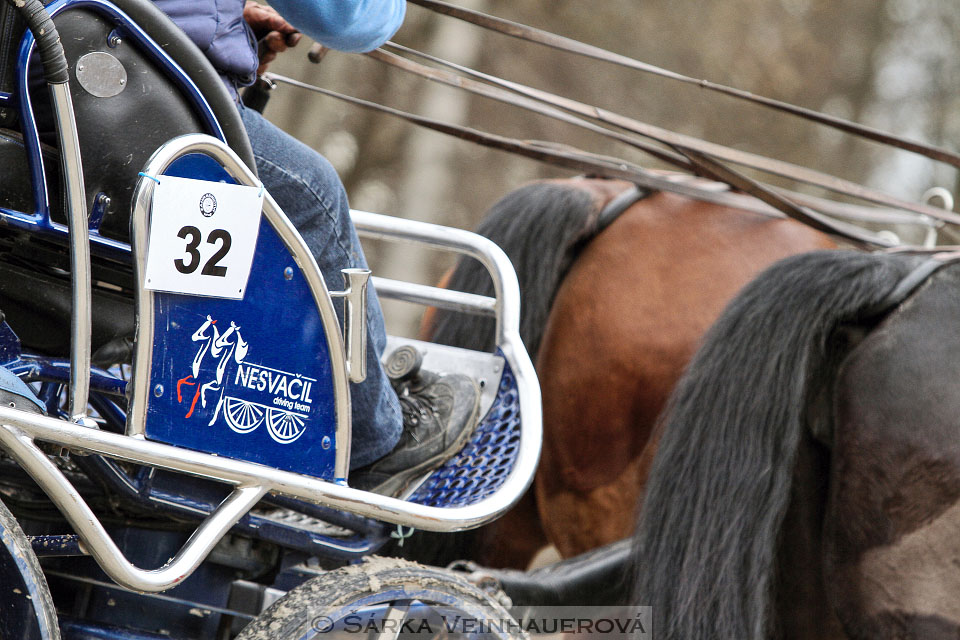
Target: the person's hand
(274, 34)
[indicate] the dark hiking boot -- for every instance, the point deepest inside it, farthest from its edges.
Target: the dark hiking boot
(439, 416)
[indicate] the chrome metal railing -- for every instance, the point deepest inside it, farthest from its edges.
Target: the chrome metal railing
(21, 433)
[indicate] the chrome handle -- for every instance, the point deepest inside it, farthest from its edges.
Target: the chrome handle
(355, 321)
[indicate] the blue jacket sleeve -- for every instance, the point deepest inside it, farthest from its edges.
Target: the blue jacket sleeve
(345, 25)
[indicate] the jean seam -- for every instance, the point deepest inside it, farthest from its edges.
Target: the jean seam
(325, 204)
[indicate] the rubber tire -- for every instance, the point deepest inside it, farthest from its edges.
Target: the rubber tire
(292, 616)
(40, 597)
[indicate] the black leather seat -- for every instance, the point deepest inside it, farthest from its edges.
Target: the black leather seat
(117, 135)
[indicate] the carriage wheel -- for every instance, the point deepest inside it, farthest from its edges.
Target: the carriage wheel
(384, 598)
(284, 427)
(242, 416)
(27, 610)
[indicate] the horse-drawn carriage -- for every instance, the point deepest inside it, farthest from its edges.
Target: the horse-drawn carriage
(156, 440)
(174, 458)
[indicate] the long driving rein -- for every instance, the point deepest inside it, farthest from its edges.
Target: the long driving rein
(569, 45)
(684, 152)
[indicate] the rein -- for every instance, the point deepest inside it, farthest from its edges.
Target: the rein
(571, 158)
(671, 139)
(684, 152)
(569, 45)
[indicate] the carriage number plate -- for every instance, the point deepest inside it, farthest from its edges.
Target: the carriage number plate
(202, 237)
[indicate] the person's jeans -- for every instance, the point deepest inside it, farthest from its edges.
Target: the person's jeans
(310, 192)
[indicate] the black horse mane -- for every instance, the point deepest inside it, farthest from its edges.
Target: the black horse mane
(720, 485)
(541, 227)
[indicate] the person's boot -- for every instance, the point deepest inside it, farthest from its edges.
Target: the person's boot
(439, 416)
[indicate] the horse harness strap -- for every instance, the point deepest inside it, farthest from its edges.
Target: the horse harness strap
(619, 204)
(912, 281)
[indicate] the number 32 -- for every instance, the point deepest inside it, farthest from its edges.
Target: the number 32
(193, 237)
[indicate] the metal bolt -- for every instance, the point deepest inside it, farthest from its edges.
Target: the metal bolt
(325, 442)
(288, 273)
(79, 67)
(158, 390)
(103, 200)
(115, 41)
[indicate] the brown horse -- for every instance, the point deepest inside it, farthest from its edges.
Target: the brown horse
(617, 291)
(807, 483)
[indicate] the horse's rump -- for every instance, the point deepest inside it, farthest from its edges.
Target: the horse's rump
(611, 313)
(751, 417)
(893, 515)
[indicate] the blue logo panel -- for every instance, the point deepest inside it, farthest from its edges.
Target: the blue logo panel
(248, 379)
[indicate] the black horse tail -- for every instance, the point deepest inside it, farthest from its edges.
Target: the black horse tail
(721, 482)
(541, 227)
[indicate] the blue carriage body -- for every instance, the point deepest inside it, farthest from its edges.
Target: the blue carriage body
(247, 388)
(250, 379)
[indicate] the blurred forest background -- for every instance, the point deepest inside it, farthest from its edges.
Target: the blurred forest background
(892, 64)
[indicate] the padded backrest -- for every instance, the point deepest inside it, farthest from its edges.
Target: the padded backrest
(118, 133)
(185, 53)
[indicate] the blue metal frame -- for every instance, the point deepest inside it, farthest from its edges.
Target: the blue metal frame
(475, 472)
(79, 630)
(39, 220)
(470, 477)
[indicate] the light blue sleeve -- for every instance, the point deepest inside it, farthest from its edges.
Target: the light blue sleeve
(345, 25)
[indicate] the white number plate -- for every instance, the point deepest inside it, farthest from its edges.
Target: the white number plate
(202, 237)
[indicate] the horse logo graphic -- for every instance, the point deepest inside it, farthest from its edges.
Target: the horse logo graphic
(287, 396)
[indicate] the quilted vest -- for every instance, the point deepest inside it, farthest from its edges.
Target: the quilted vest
(218, 28)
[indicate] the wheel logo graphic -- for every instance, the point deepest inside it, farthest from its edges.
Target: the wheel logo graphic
(243, 416)
(268, 386)
(284, 426)
(208, 205)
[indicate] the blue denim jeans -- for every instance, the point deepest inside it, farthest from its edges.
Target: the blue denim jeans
(309, 191)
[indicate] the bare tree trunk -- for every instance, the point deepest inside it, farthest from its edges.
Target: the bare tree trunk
(427, 185)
